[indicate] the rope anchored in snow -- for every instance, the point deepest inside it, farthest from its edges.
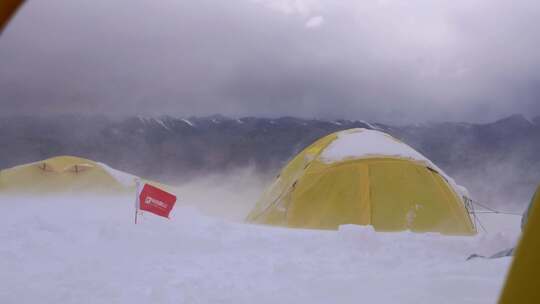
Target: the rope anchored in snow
(493, 210)
(470, 205)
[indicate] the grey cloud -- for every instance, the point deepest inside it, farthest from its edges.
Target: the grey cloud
(396, 61)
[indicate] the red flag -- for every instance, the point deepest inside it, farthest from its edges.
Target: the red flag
(157, 201)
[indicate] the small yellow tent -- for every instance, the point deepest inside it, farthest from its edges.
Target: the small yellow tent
(364, 177)
(65, 174)
(523, 279)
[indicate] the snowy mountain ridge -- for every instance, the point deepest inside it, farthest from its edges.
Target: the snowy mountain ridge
(168, 148)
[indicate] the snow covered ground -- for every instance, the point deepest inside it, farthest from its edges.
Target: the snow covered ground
(87, 250)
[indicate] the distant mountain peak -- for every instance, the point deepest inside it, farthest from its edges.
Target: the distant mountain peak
(514, 121)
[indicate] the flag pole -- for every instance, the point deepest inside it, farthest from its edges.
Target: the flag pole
(137, 184)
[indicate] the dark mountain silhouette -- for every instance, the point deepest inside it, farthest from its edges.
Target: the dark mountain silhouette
(499, 162)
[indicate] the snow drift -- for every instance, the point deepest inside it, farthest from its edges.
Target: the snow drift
(87, 250)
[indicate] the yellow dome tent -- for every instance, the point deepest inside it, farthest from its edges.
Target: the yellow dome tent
(65, 174)
(364, 177)
(522, 281)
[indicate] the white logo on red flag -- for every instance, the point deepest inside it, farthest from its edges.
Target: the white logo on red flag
(157, 201)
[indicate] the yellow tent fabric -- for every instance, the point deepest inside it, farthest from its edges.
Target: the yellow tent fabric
(7, 9)
(394, 190)
(524, 277)
(64, 174)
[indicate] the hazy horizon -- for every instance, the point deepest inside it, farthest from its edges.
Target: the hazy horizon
(118, 117)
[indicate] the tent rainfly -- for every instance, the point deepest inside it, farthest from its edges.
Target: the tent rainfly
(364, 177)
(522, 282)
(65, 175)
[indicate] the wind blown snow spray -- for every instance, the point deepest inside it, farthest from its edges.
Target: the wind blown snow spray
(153, 200)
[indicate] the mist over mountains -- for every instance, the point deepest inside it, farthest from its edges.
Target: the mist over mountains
(498, 162)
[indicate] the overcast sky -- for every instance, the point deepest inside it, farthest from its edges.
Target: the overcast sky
(388, 60)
